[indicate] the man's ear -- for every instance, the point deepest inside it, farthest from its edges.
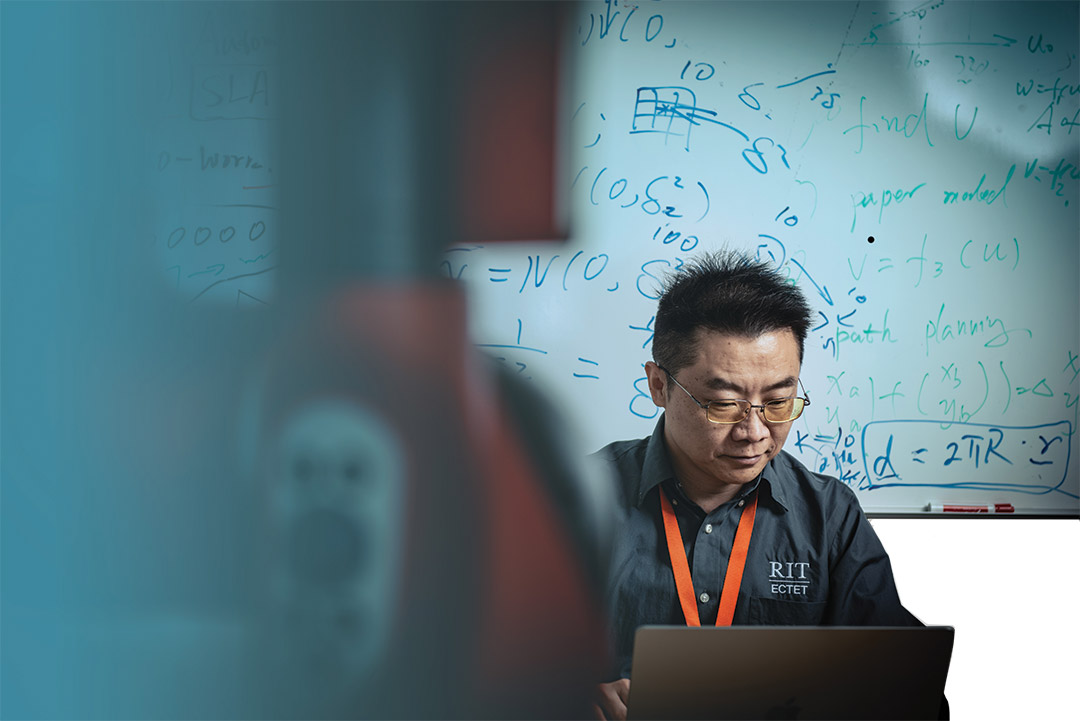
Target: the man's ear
(657, 384)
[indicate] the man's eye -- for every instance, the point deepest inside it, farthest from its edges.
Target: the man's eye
(725, 405)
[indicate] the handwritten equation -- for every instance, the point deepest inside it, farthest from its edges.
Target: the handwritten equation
(925, 453)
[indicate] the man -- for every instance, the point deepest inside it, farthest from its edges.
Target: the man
(727, 352)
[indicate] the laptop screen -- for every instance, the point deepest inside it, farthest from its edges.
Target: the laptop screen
(789, 672)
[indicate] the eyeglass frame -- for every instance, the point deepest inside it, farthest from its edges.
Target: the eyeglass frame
(705, 406)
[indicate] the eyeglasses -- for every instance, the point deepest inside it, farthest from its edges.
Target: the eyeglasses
(777, 410)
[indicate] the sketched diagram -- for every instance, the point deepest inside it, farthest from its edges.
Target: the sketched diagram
(671, 111)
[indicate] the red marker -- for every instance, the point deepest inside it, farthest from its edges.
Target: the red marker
(956, 508)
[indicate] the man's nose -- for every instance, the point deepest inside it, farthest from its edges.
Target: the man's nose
(753, 427)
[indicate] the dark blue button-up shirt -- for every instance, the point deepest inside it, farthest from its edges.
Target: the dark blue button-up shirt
(814, 559)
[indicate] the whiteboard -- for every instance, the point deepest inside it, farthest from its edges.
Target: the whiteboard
(209, 86)
(913, 167)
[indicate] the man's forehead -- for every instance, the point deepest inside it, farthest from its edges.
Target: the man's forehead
(725, 361)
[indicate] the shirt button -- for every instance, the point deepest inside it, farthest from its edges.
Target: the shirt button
(674, 501)
(742, 503)
(704, 597)
(708, 528)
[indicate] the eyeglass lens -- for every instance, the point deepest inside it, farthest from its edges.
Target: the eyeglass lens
(779, 410)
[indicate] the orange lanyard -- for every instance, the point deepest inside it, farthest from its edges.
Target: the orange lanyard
(681, 568)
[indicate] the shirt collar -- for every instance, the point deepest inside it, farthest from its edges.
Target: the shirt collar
(774, 477)
(657, 468)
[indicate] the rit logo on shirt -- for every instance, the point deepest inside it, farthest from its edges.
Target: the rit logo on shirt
(789, 577)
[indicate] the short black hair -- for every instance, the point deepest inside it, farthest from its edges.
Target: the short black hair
(729, 292)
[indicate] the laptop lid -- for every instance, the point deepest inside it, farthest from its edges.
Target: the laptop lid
(789, 672)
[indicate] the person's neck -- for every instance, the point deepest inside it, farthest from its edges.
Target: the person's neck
(706, 495)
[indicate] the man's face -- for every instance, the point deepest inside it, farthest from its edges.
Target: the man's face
(713, 455)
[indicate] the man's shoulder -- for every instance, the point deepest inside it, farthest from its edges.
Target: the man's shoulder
(626, 460)
(632, 451)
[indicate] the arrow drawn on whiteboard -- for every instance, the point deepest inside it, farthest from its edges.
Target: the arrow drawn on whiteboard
(229, 280)
(822, 290)
(815, 75)
(216, 269)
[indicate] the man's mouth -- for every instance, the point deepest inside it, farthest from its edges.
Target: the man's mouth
(746, 460)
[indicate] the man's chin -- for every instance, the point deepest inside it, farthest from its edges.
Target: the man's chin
(740, 471)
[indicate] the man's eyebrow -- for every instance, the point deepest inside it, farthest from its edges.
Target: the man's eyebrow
(722, 384)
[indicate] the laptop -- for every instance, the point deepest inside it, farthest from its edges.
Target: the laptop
(789, 672)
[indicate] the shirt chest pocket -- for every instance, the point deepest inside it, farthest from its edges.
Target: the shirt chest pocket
(778, 612)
